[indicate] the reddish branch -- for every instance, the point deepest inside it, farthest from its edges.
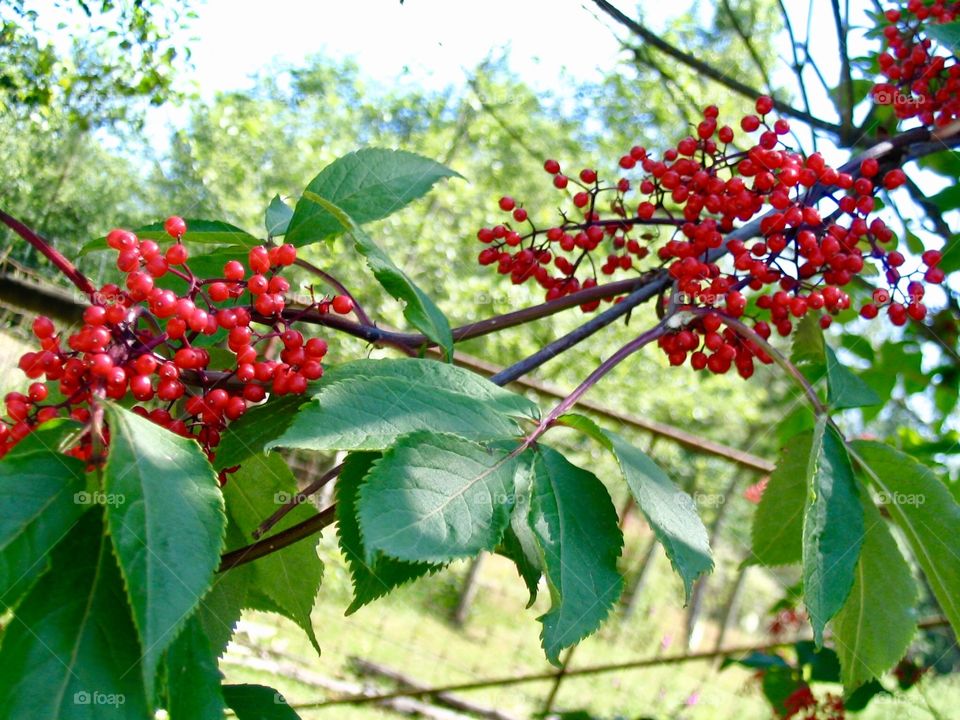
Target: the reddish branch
(60, 262)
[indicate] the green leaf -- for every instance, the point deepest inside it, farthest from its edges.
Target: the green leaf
(368, 404)
(368, 185)
(418, 308)
(944, 163)
(277, 217)
(258, 702)
(832, 529)
(193, 677)
(42, 495)
(777, 534)
(947, 34)
(845, 389)
(519, 542)
(875, 626)
(289, 578)
(167, 523)
(259, 425)
(373, 578)
(670, 512)
(808, 345)
(923, 508)
(53, 436)
(823, 663)
(199, 232)
(71, 651)
(220, 609)
(947, 199)
(436, 497)
(576, 527)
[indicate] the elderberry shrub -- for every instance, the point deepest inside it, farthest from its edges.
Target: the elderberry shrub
(143, 342)
(814, 237)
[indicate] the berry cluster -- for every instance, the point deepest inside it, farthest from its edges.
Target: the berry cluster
(815, 236)
(920, 83)
(802, 704)
(153, 344)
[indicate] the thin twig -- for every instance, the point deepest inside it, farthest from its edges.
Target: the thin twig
(293, 502)
(336, 285)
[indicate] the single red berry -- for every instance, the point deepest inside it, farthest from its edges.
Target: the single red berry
(342, 304)
(286, 254)
(43, 327)
(259, 259)
(551, 166)
(869, 167)
(507, 203)
(764, 104)
(175, 227)
(894, 179)
(218, 291)
(177, 254)
(233, 270)
(37, 392)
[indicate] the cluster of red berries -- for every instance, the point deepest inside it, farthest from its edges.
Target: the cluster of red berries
(153, 344)
(920, 83)
(802, 704)
(814, 237)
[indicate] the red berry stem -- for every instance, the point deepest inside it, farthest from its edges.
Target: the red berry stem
(338, 286)
(59, 261)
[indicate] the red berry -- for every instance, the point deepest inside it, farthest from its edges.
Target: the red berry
(175, 227)
(176, 254)
(551, 166)
(259, 259)
(764, 104)
(342, 304)
(507, 203)
(43, 327)
(894, 179)
(233, 270)
(286, 254)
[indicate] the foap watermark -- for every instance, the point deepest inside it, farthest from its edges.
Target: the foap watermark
(709, 499)
(899, 498)
(285, 498)
(895, 97)
(84, 697)
(98, 497)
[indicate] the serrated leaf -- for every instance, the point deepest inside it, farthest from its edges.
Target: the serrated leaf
(519, 542)
(289, 578)
(418, 308)
(947, 34)
(927, 514)
(808, 345)
(193, 677)
(872, 631)
(260, 424)
(670, 512)
(200, 232)
(576, 527)
(220, 609)
(845, 389)
(368, 185)
(71, 651)
(368, 404)
(258, 702)
(39, 504)
(167, 524)
(436, 497)
(832, 529)
(376, 577)
(777, 534)
(277, 217)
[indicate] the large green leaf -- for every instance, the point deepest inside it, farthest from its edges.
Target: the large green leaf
(193, 678)
(167, 523)
(368, 185)
(418, 308)
(832, 529)
(436, 497)
(670, 511)
(923, 508)
(206, 232)
(42, 494)
(379, 575)
(247, 436)
(519, 542)
(875, 626)
(290, 578)
(846, 389)
(258, 702)
(71, 651)
(576, 526)
(368, 404)
(277, 217)
(777, 535)
(220, 609)
(947, 34)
